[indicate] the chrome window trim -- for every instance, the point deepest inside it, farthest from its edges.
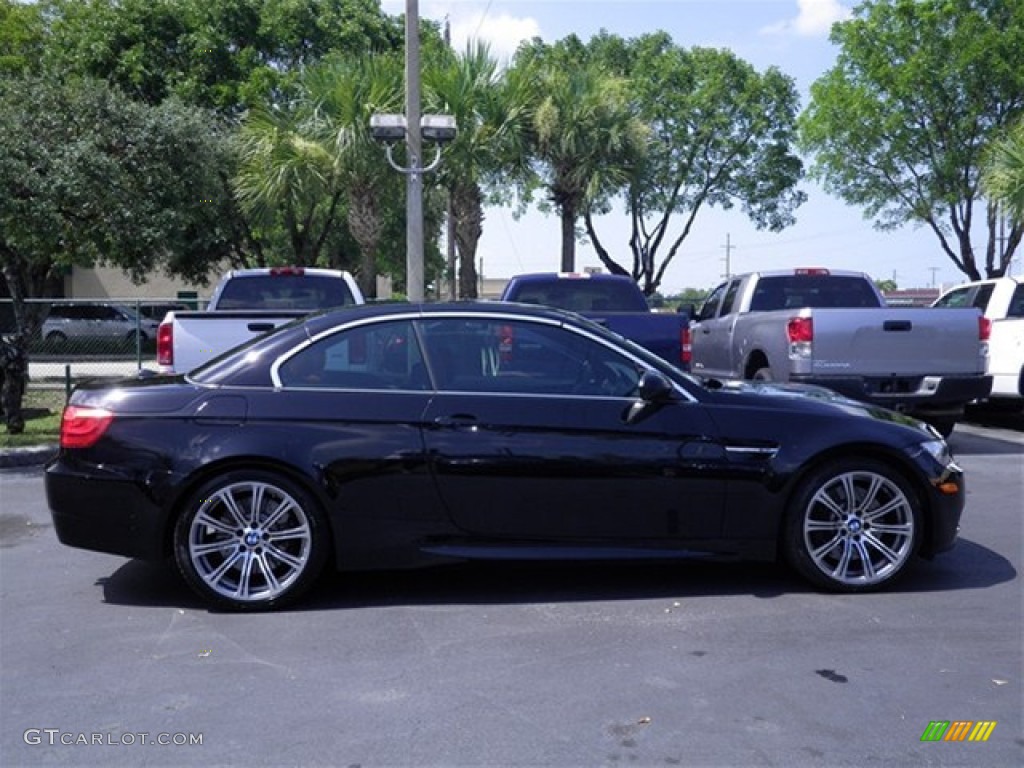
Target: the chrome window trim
(499, 315)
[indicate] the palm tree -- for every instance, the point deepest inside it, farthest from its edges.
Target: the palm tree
(492, 118)
(287, 179)
(1003, 173)
(585, 136)
(341, 96)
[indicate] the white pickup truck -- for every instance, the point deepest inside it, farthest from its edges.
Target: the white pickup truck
(1001, 299)
(832, 329)
(245, 304)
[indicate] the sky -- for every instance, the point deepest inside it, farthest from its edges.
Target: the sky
(789, 34)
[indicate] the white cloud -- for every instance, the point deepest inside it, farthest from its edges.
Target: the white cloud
(503, 33)
(814, 19)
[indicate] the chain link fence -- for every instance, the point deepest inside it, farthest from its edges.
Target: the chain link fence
(83, 339)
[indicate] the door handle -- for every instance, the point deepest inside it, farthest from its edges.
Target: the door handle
(260, 327)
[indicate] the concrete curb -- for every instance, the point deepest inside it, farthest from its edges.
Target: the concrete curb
(26, 457)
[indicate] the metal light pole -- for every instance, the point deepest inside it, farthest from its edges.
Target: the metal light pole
(414, 143)
(413, 128)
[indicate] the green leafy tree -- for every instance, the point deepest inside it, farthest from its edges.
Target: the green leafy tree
(22, 33)
(222, 54)
(585, 136)
(88, 176)
(1003, 176)
(899, 125)
(721, 135)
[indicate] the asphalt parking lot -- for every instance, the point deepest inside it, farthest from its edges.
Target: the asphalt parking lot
(107, 661)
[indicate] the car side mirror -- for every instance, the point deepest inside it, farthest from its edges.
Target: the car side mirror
(654, 389)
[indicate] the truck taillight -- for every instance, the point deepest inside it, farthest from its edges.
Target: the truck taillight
(165, 343)
(810, 271)
(800, 330)
(81, 427)
(984, 328)
(685, 347)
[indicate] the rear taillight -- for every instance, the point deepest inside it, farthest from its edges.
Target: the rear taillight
(800, 330)
(685, 347)
(81, 427)
(984, 328)
(165, 343)
(287, 271)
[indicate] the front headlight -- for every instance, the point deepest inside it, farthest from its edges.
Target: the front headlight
(939, 451)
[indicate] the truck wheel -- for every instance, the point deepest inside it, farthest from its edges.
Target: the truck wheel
(250, 540)
(852, 526)
(763, 374)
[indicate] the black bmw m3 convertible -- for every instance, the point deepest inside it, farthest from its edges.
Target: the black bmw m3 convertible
(395, 436)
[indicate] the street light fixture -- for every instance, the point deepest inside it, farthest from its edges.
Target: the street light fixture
(391, 129)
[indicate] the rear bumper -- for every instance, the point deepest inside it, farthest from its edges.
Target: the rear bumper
(907, 393)
(109, 514)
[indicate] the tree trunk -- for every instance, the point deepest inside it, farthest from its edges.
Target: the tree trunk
(467, 205)
(365, 225)
(568, 237)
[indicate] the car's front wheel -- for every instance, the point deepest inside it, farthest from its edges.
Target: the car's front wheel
(852, 526)
(250, 540)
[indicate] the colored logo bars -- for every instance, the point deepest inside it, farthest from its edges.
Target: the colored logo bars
(958, 730)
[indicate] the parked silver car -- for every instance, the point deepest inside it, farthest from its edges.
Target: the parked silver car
(95, 321)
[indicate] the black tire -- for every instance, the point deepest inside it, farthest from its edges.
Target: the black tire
(247, 559)
(763, 374)
(55, 338)
(852, 526)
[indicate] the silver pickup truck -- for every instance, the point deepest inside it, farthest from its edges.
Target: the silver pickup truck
(832, 328)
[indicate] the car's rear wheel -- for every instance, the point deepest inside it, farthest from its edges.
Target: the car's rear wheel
(55, 338)
(852, 526)
(250, 540)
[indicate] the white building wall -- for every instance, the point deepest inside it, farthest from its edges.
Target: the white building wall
(113, 283)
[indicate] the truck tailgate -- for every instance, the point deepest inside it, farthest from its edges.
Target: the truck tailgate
(894, 341)
(201, 336)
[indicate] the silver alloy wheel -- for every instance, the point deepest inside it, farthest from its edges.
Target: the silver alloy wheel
(858, 528)
(250, 541)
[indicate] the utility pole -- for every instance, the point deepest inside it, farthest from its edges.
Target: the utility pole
(451, 263)
(728, 254)
(933, 270)
(414, 143)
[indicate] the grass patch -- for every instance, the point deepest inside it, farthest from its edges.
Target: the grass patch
(42, 409)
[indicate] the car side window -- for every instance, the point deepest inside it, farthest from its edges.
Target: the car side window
(373, 356)
(519, 357)
(730, 297)
(1016, 308)
(710, 307)
(957, 298)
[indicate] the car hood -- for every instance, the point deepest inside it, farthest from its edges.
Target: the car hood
(811, 397)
